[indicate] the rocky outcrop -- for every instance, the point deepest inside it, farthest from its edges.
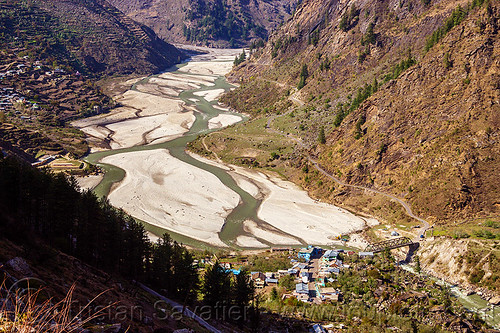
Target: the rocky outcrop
(469, 263)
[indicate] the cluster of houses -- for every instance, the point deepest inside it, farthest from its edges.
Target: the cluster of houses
(313, 269)
(34, 71)
(8, 96)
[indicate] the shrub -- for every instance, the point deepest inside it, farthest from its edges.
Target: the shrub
(476, 275)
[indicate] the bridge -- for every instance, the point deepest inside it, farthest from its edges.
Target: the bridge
(389, 244)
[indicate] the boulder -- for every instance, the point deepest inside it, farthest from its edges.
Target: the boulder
(495, 300)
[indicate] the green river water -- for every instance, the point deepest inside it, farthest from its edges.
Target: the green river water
(248, 206)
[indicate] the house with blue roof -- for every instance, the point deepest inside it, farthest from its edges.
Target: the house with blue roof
(308, 253)
(302, 292)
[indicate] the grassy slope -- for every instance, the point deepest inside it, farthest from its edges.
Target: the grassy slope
(128, 305)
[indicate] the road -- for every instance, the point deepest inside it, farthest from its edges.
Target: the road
(425, 225)
(409, 212)
(178, 307)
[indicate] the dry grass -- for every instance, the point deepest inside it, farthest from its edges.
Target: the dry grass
(26, 311)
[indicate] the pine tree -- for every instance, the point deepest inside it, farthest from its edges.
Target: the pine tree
(243, 293)
(304, 74)
(417, 264)
(185, 276)
(162, 263)
(274, 294)
(216, 288)
(134, 249)
(321, 135)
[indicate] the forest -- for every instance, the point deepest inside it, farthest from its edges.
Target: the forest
(217, 21)
(46, 211)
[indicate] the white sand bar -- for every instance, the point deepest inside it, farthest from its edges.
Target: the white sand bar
(246, 241)
(154, 190)
(210, 95)
(196, 80)
(208, 68)
(223, 120)
(151, 129)
(117, 114)
(88, 182)
(289, 208)
(150, 104)
(269, 236)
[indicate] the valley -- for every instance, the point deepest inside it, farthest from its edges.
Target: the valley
(141, 145)
(259, 180)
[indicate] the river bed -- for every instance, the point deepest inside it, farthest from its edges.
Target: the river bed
(142, 147)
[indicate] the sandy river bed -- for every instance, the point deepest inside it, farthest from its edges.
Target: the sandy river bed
(200, 198)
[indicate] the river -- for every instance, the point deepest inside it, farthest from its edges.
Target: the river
(255, 210)
(199, 202)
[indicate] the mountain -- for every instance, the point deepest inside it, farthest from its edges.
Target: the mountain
(51, 55)
(393, 99)
(89, 35)
(405, 93)
(209, 22)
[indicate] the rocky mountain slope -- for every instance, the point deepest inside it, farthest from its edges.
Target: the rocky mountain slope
(91, 36)
(400, 114)
(396, 96)
(209, 22)
(51, 53)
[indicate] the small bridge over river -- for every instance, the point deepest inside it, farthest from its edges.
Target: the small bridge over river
(390, 244)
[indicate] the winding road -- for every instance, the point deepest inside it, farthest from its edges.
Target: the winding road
(425, 225)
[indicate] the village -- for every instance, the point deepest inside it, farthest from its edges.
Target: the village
(309, 277)
(28, 86)
(38, 98)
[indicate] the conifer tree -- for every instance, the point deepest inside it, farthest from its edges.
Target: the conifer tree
(216, 288)
(243, 293)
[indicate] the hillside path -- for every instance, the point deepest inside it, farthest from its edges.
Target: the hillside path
(425, 225)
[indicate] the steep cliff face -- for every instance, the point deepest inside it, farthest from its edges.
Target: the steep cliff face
(405, 109)
(209, 22)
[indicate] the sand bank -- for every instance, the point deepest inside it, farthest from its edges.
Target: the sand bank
(268, 235)
(150, 105)
(154, 190)
(208, 68)
(210, 95)
(195, 81)
(88, 182)
(223, 120)
(289, 208)
(153, 129)
(247, 241)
